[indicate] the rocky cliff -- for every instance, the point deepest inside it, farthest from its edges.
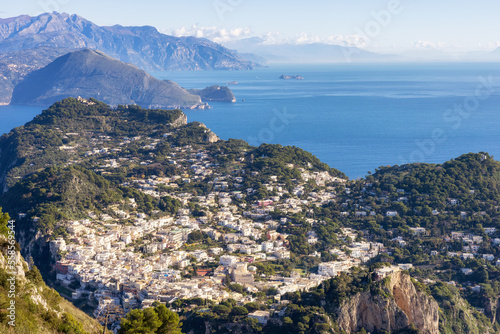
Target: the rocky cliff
(396, 305)
(27, 305)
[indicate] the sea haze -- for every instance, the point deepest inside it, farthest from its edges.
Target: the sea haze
(355, 117)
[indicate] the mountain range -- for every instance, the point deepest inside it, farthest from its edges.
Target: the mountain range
(30, 43)
(143, 46)
(305, 53)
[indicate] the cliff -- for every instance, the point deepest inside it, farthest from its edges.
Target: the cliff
(397, 305)
(36, 307)
(93, 74)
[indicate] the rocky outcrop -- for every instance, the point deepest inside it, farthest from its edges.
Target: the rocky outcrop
(291, 77)
(215, 93)
(397, 305)
(180, 121)
(209, 136)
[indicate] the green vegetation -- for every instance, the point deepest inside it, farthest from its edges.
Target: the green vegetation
(273, 160)
(158, 319)
(456, 316)
(77, 161)
(58, 194)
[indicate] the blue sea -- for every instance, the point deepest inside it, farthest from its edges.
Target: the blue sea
(355, 117)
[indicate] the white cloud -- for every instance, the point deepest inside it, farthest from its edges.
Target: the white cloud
(304, 38)
(222, 35)
(427, 45)
(489, 45)
(215, 34)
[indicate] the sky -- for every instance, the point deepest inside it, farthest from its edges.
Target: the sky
(375, 25)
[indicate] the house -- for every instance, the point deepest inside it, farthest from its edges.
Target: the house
(488, 257)
(418, 230)
(261, 316)
(228, 260)
(490, 230)
(391, 213)
(382, 273)
(329, 269)
(467, 256)
(240, 274)
(405, 266)
(476, 288)
(466, 271)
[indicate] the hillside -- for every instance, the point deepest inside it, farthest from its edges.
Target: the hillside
(44, 141)
(38, 308)
(142, 205)
(460, 193)
(93, 74)
(353, 303)
(14, 66)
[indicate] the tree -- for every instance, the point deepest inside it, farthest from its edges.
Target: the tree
(4, 220)
(169, 319)
(252, 306)
(239, 310)
(158, 319)
(133, 323)
(221, 309)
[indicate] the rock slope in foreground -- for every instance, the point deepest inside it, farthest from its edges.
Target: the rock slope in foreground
(38, 308)
(91, 73)
(398, 306)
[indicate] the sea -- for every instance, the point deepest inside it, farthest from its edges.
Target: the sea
(354, 117)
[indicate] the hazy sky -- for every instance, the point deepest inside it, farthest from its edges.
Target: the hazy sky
(461, 25)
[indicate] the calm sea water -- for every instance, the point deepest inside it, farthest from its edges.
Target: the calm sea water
(353, 117)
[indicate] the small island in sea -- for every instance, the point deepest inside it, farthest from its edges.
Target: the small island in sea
(291, 77)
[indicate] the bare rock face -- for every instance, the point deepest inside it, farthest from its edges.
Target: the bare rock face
(182, 120)
(209, 136)
(399, 305)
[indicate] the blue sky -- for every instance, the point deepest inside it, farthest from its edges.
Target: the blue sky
(461, 25)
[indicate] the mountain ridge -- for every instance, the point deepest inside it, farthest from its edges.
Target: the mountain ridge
(143, 46)
(94, 74)
(313, 52)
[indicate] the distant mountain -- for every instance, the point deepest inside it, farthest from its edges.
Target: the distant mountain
(305, 53)
(89, 73)
(17, 64)
(141, 46)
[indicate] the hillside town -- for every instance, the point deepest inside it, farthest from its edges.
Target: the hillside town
(125, 259)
